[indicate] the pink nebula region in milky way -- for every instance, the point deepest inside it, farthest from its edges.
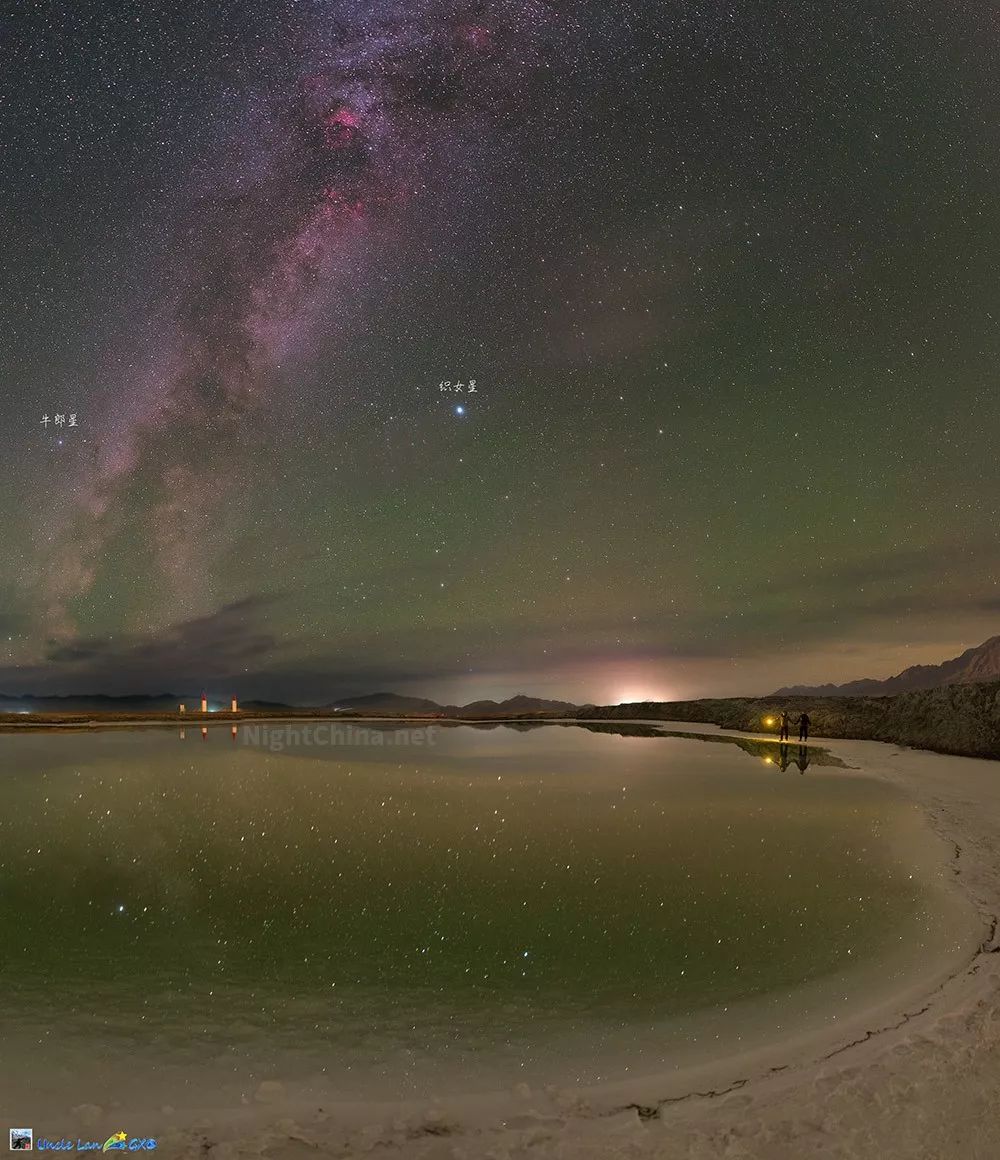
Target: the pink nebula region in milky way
(366, 105)
(340, 129)
(477, 36)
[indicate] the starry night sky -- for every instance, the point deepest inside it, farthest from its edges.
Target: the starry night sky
(724, 275)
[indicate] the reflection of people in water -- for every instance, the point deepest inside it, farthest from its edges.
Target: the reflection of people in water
(804, 727)
(802, 761)
(783, 734)
(783, 757)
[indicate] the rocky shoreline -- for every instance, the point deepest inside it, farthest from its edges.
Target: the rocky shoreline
(958, 719)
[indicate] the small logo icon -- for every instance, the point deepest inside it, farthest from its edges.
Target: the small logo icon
(115, 1142)
(21, 1139)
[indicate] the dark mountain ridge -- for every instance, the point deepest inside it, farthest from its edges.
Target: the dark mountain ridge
(981, 663)
(393, 703)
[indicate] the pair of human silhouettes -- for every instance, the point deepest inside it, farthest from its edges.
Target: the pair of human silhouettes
(803, 726)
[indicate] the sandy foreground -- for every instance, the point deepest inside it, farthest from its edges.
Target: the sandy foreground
(913, 1075)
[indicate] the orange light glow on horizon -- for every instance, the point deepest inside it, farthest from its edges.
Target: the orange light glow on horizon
(629, 696)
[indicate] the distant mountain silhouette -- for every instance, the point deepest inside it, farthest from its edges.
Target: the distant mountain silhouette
(387, 703)
(519, 704)
(974, 665)
(370, 704)
(394, 703)
(131, 703)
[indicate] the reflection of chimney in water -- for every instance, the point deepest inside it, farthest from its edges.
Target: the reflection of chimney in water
(204, 732)
(234, 732)
(183, 734)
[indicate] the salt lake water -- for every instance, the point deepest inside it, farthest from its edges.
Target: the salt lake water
(185, 918)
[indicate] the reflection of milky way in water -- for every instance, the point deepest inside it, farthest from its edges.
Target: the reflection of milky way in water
(363, 112)
(480, 893)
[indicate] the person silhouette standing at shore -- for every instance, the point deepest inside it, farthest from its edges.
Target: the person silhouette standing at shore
(783, 734)
(804, 727)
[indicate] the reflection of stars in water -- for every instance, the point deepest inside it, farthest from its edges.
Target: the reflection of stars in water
(310, 884)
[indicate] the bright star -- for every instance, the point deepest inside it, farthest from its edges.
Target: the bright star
(459, 410)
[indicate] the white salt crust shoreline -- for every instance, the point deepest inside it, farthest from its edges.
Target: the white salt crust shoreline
(915, 1076)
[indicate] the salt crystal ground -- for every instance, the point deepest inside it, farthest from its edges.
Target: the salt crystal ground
(917, 1079)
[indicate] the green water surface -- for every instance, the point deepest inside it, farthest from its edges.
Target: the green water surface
(486, 886)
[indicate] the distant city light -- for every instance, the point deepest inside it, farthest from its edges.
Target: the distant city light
(630, 696)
